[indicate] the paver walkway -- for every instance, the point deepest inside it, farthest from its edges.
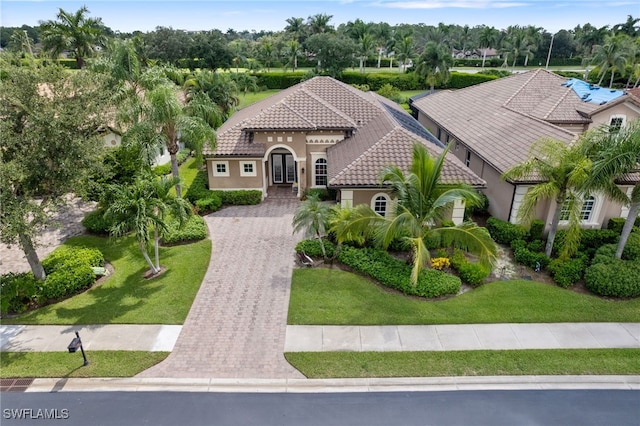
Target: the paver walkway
(236, 326)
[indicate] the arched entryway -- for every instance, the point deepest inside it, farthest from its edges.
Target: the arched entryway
(282, 169)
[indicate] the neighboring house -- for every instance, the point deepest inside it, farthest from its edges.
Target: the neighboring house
(493, 125)
(322, 133)
(113, 139)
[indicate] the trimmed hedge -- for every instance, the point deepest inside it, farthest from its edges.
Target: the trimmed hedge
(524, 256)
(617, 223)
(194, 229)
(619, 278)
(473, 274)
(375, 81)
(240, 197)
(64, 255)
(396, 274)
(278, 80)
(312, 248)
(632, 248)
(199, 190)
(199, 187)
(210, 204)
(504, 232)
(590, 240)
(566, 273)
(68, 280)
(460, 80)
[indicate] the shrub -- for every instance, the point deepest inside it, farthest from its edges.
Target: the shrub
(95, 222)
(615, 224)
(396, 274)
(312, 248)
(473, 274)
(524, 256)
(567, 272)
(240, 197)
(504, 232)
(73, 277)
(209, 204)
(535, 245)
(605, 254)
(183, 155)
(632, 248)
(162, 170)
(199, 187)
(590, 240)
(620, 278)
(440, 263)
(460, 80)
(17, 292)
(458, 259)
(194, 229)
(66, 255)
(536, 229)
(322, 194)
(480, 209)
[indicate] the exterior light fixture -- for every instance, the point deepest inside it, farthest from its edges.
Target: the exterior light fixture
(75, 344)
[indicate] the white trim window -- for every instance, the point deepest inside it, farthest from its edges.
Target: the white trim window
(586, 211)
(320, 172)
(380, 203)
(220, 168)
(616, 122)
(248, 169)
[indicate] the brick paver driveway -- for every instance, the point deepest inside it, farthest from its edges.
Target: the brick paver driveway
(237, 324)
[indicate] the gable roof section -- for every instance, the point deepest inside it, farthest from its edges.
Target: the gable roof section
(321, 103)
(496, 119)
(389, 139)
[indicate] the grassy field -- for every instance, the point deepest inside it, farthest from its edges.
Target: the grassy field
(252, 98)
(126, 297)
(323, 296)
(64, 364)
(320, 365)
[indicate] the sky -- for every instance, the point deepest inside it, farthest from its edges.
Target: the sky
(145, 15)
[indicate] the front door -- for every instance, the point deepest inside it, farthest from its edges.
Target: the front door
(284, 168)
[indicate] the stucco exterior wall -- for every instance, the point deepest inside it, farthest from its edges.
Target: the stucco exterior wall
(234, 180)
(627, 110)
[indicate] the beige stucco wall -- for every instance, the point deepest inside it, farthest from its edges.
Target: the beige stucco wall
(234, 180)
(626, 109)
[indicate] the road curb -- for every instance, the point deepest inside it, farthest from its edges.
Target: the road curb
(425, 384)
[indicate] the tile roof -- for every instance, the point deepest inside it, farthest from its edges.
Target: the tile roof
(501, 119)
(318, 103)
(389, 139)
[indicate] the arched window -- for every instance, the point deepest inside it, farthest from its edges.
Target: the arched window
(321, 172)
(380, 204)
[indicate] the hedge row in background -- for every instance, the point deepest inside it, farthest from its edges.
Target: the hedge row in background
(394, 273)
(69, 270)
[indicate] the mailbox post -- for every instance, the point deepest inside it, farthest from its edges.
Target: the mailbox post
(75, 344)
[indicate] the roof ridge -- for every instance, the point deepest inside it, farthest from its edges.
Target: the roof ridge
(329, 106)
(534, 74)
(524, 114)
(562, 98)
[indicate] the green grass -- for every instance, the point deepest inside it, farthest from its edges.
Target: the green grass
(327, 296)
(64, 364)
(321, 365)
(252, 98)
(126, 297)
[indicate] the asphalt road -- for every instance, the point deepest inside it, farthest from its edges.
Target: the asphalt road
(513, 408)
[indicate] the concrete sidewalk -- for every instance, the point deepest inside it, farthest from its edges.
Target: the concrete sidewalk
(463, 337)
(55, 338)
(302, 338)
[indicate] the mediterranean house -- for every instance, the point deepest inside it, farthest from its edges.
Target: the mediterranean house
(493, 125)
(323, 133)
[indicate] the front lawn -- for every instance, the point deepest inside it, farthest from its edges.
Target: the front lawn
(321, 296)
(322, 365)
(126, 297)
(64, 364)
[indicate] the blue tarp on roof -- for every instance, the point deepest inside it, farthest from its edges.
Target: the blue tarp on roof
(591, 92)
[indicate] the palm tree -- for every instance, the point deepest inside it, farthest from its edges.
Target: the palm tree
(561, 169)
(630, 27)
(405, 51)
(312, 217)
(609, 56)
(219, 87)
(319, 23)
(616, 154)
(421, 206)
(141, 207)
(245, 82)
(295, 26)
(589, 36)
(293, 52)
(165, 120)
(365, 46)
(72, 31)
(515, 43)
(433, 64)
(488, 38)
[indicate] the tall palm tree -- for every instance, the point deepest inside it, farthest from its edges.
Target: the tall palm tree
(589, 36)
(404, 51)
(165, 120)
(245, 82)
(293, 51)
(515, 43)
(312, 217)
(562, 170)
(141, 207)
(487, 38)
(219, 87)
(433, 64)
(416, 216)
(630, 27)
(365, 47)
(72, 31)
(295, 26)
(609, 56)
(319, 23)
(615, 155)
